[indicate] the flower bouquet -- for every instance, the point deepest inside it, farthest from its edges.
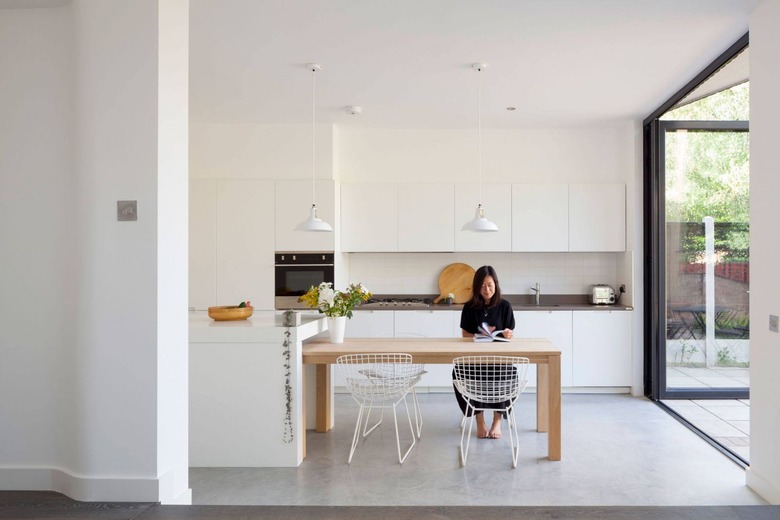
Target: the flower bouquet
(334, 303)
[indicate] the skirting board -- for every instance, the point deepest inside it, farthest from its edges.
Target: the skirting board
(88, 489)
(767, 491)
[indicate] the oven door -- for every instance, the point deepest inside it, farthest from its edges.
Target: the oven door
(293, 281)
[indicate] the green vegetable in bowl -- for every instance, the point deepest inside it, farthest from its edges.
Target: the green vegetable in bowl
(242, 305)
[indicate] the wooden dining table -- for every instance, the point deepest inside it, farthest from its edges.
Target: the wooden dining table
(539, 351)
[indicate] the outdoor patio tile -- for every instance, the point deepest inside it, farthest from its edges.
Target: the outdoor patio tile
(743, 426)
(742, 451)
(680, 404)
(731, 413)
(717, 428)
(746, 401)
(684, 382)
(722, 382)
(712, 403)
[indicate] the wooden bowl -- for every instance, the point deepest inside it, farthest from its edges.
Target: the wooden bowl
(230, 313)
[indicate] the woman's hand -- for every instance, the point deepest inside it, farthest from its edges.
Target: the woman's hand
(508, 333)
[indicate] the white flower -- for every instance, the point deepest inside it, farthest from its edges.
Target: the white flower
(451, 296)
(327, 294)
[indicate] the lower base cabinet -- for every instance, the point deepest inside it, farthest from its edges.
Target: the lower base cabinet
(602, 348)
(553, 325)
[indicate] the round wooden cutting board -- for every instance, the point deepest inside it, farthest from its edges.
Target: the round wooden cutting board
(456, 279)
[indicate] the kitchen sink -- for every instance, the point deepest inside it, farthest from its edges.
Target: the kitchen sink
(540, 305)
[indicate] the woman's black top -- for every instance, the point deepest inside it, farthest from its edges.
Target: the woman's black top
(500, 316)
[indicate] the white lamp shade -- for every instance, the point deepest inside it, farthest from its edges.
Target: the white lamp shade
(313, 223)
(480, 223)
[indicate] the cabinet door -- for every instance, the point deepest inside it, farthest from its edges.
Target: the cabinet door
(369, 217)
(428, 324)
(597, 217)
(426, 218)
(540, 217)
(601, 348)
(203, 244)
(245, 250)
(293, 202)
(497, 203)
(365, 324)
(553, 325)
(370, 324)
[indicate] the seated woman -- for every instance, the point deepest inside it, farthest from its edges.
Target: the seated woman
(486, 306)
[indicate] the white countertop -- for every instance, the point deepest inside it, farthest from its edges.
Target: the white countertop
(261, 327)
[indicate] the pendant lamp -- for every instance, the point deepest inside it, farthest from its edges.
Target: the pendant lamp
(313, 223)
(479, 223)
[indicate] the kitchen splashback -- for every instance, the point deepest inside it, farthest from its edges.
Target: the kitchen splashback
(558, 273)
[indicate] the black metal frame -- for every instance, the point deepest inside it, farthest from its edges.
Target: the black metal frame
(654, 234)
(658, 245)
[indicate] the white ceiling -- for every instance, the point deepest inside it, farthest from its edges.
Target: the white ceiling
(407, 63)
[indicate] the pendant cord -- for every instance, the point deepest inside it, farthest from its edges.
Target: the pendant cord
(479, 131)
(313, 133)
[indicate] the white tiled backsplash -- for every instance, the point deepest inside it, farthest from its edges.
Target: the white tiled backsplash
(418, 273)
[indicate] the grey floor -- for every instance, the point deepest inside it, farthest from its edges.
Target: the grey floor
(618, 450)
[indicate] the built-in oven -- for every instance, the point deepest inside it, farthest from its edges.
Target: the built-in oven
(295, 273)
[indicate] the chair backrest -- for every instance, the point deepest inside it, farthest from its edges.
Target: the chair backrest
(378, 376)
(491, 379)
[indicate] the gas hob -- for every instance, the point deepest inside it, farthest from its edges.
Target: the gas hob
(397, 303)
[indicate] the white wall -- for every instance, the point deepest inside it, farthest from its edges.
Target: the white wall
(764, 472)
(37, 241)
(528, 155)
(80, 338)
(254, 151)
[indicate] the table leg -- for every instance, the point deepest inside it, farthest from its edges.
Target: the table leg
(542, 397)
(554, 408)
(323, 398)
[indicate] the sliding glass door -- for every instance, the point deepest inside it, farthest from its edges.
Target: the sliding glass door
(702, 228)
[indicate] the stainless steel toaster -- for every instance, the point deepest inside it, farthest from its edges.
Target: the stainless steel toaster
(602, 293)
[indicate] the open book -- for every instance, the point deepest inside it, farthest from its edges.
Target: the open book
(484, 335)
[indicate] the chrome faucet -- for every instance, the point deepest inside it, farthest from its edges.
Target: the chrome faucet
(538, 290)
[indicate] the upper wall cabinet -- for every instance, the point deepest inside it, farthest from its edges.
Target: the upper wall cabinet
(226, 237)
(426, 217)
(597, 217)
(293, 202)
(497, 203)
(369, 217)
(540, 217)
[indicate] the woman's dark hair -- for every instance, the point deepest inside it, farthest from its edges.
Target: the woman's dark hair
(479, 278)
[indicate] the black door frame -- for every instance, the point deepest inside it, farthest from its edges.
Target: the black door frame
(658, 236)
(653, 262)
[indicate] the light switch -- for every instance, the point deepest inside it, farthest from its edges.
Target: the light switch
(126, 210)
(773, 323)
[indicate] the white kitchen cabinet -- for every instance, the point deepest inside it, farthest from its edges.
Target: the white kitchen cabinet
(245, 250)
(231, 248)
(428, 324)
(553, 325)
(601, 348)
(370, 324)
(293, 202)
(203, 243)
(369, 217)
(597, 217)
(426, 219)
(497, 203)
(540, 217)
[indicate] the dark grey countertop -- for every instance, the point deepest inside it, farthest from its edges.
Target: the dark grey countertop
(519, 302)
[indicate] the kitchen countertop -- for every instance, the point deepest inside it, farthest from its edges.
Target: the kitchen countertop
(519, 302)
(261, 327)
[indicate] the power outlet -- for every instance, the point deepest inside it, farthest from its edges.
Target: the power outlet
(622, 287)
(773, 323)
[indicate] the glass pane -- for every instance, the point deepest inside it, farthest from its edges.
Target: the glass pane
(707, 260)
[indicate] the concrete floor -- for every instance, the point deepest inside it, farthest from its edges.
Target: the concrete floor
(618, 450)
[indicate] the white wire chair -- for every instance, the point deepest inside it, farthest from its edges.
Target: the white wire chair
(490, 383)
(380, 381)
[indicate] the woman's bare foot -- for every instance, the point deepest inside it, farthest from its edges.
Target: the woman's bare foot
(482, 429)
(495, 429)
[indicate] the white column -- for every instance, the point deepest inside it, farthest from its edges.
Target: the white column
(709, 288)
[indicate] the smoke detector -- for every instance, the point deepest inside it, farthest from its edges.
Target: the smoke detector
(354, 110)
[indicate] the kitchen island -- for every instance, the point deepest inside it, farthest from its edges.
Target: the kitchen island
(240, 382)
